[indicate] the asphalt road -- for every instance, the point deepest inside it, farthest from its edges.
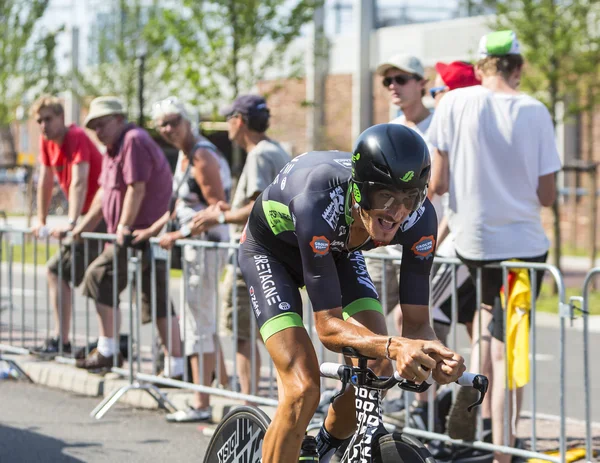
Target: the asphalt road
(547, 394)
(48, 426)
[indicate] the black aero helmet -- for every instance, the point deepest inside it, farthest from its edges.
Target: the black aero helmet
(390, 156)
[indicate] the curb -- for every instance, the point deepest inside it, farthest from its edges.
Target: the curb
(70, 379)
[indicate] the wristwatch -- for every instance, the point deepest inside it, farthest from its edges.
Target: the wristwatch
(72, 223)
(123, 227)
(221, 218)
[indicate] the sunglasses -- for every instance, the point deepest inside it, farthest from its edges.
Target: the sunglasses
(170, 123)
(399, 79)
(435, 91)
(44, 119)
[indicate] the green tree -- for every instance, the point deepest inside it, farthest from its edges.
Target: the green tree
(117, 43)
(20, 66)
(218, 48)
(560, 45)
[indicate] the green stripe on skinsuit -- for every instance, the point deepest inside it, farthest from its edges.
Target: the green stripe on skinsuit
(360, 305)
(278, 217)
(280, 323)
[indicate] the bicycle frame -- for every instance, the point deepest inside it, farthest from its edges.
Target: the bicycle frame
(369, 425)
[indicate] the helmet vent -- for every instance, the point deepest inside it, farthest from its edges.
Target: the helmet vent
(383, 169)
(425, 172)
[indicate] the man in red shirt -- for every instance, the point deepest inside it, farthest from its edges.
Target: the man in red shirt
(69, 155)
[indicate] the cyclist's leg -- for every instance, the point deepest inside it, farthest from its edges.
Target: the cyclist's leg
(276, 302)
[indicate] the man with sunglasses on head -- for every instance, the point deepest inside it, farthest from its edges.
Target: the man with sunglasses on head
(67, 154)
(247, 124)
(308, 228)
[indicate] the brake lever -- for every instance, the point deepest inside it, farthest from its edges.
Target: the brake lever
(480, 383)
(345, 379)
(414, 387)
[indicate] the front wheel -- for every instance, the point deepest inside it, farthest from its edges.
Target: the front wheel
(401, 448)
(238, 437)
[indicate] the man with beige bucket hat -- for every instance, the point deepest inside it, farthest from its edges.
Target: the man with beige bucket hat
(135, 190)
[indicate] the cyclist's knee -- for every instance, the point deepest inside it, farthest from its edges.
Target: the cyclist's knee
(303, 397)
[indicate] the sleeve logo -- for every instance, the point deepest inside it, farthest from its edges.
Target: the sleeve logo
(320, 245)
(424, 248)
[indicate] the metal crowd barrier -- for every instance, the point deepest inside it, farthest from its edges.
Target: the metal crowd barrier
(141, 377)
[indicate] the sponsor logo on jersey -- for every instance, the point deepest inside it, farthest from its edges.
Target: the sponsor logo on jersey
(335, 208)
(412, 219)
(347, 163)
(320, 245)
(267, 283)
(243, 237)
(362, 275)
(276, 180)
(338, 244)
(254, 300)
(283, 182)
(284, 306)
(342, 230)
(424, 248)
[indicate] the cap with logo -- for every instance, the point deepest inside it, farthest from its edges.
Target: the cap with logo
(406, 63)
(247, 105)
(457, 74)
(104, 106)
(500, 43)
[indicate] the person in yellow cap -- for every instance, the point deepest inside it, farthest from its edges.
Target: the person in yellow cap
(495, 154)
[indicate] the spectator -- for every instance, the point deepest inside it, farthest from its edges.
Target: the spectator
(248, 120)
(76, 162)
(202, 178)
(496, 156)
(135, 188)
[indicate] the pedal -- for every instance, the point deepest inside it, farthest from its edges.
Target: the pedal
(352, 352)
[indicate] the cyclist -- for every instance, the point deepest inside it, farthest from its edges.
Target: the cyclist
(308, 228)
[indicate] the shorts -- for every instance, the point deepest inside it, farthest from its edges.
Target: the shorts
(491, 282)
(244, 313)
(98, 280)
(199, 294)
(274, 280)
(391, 298)
(441, 294)
(64, 257)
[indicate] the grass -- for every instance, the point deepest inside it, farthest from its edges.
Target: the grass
(547, 302)
(41, 254)
(29, 252)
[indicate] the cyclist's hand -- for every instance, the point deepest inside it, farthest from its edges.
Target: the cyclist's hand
(414, 359)
(448, 370)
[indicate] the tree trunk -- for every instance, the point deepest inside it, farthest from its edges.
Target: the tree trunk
(8, 153)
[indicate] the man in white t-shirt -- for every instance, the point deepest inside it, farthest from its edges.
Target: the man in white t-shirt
(404, 78)
(496, 155)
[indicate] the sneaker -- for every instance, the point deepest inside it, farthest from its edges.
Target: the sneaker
(50, 348)
(96, 361)
(190, 415)
(461, 423)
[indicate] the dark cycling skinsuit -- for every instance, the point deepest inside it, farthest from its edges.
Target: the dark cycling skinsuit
(297, 233)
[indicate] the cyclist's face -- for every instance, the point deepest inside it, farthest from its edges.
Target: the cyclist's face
(389, 208)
